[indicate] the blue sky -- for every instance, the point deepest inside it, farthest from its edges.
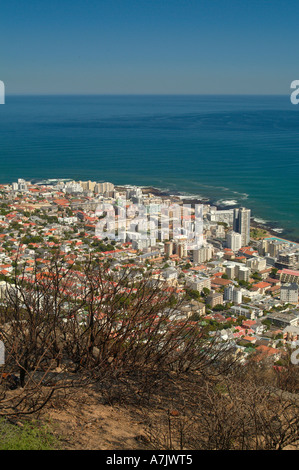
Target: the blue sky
(149, 46)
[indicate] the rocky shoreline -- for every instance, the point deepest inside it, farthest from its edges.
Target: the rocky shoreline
(192, 200)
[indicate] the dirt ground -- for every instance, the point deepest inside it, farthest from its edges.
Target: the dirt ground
(89, 425)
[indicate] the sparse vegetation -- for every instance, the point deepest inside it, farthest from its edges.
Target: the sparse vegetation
(26, 436)
(124, 339)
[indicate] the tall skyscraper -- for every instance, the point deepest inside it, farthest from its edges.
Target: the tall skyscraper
(241, 224)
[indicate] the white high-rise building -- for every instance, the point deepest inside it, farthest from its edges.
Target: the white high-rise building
(257, 263)
(21, 185)
(242, 224)
(225, 216)
(103, 188)
(234, 241)
(232, 294)
(202, 254)
(289, 293)
(230, 270)
(243, 273)
(199, 283)
(73, 187)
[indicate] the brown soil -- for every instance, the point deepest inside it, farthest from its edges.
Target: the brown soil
(86, 424)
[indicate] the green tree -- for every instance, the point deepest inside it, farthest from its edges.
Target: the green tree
(205, 292)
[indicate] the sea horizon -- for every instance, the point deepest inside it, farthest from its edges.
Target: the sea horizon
(25, 94)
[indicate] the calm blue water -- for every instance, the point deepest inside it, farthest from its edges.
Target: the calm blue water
(242, 149)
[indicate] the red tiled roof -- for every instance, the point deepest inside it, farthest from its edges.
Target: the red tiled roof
(262, 285)
(61, 202)
(221, 282)
(289, 271)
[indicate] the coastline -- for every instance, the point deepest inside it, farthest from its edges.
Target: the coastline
(193, 199)
(190, 199)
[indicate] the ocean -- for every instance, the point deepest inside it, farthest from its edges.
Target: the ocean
(234, 150)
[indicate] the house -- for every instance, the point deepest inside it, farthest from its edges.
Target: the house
(262, 287)
(266, 353)
(219, 282)
(249, 339)
(248, 323)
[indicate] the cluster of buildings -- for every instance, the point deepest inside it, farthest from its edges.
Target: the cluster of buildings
(243, 289)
